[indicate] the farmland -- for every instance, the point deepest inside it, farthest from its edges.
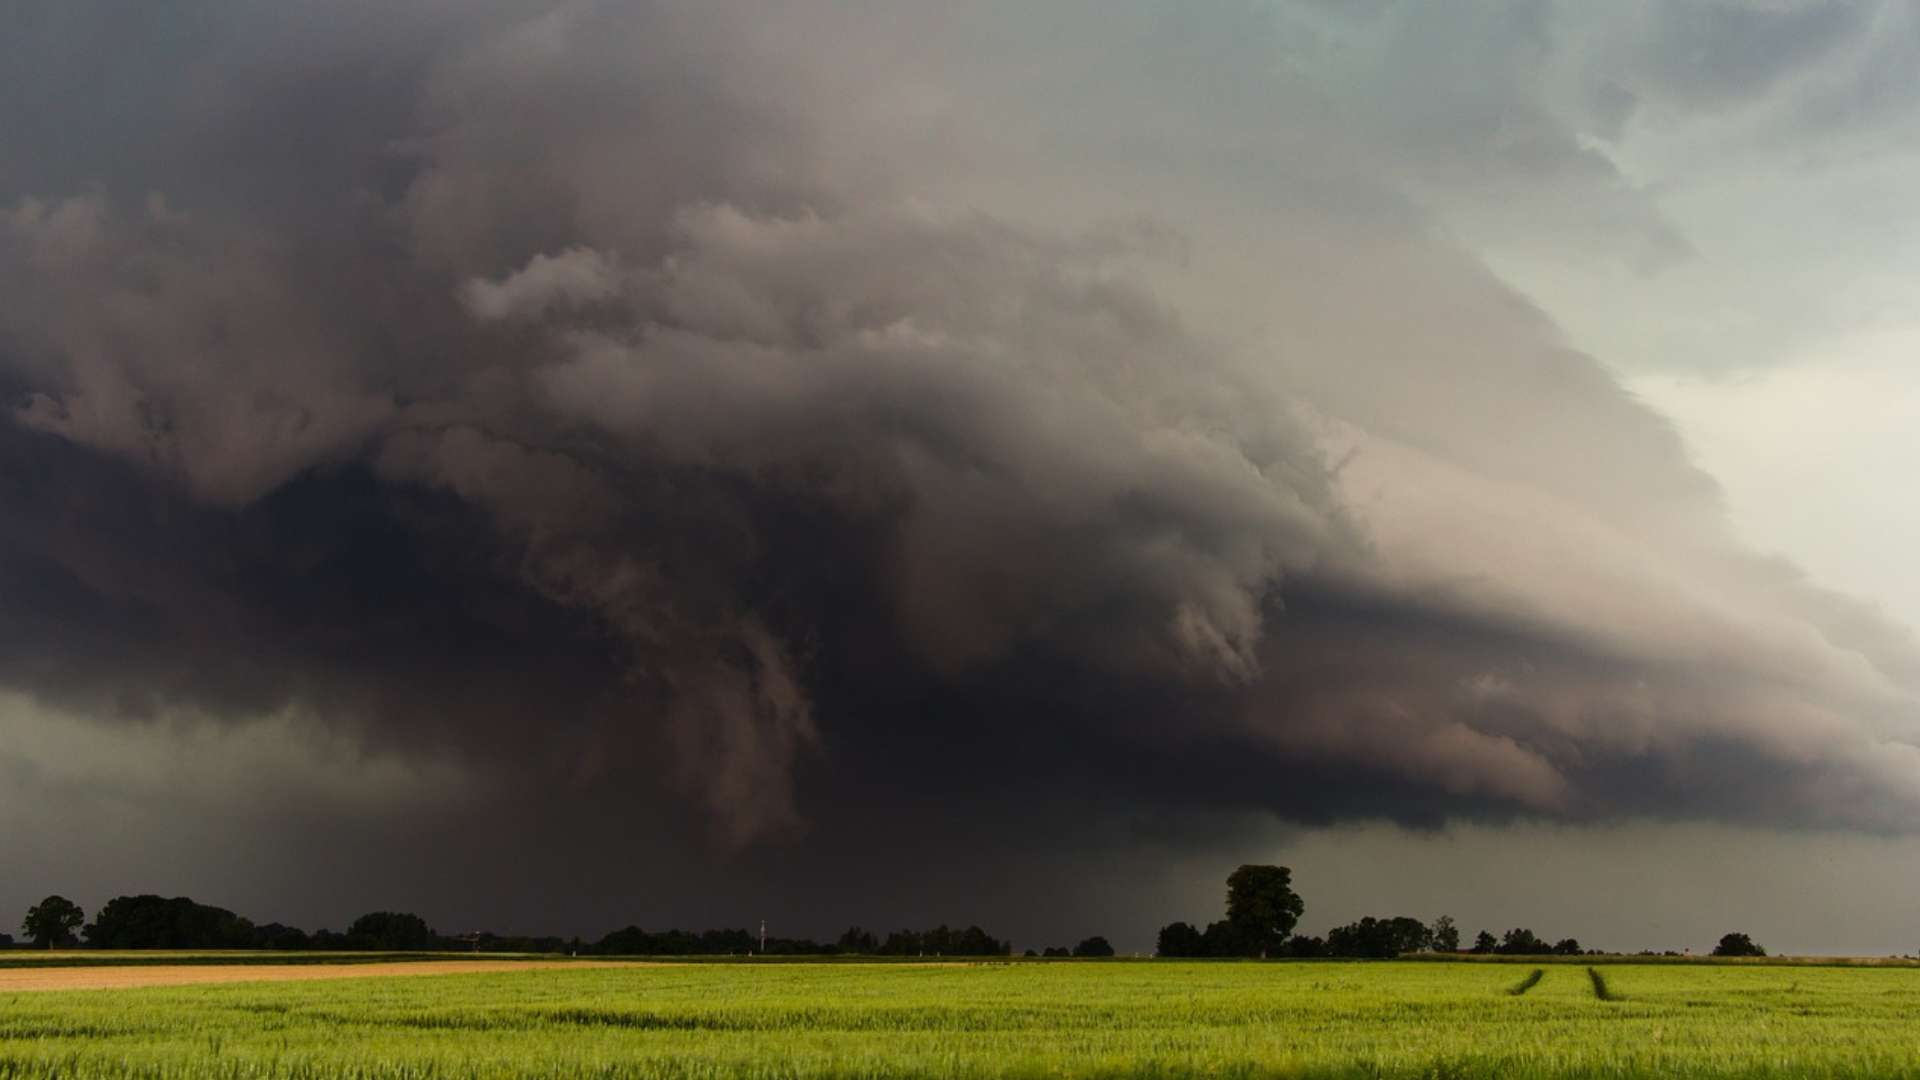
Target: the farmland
(1109, 1019)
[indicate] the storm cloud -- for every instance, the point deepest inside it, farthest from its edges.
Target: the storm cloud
(715, 430)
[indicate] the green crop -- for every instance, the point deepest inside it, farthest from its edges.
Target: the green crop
(1159, 1018)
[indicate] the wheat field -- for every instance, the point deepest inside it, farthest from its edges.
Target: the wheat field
(1069, 1019)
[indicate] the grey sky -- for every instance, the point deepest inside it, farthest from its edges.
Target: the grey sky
(1060, 437)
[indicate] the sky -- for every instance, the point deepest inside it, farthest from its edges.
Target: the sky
(558, 465)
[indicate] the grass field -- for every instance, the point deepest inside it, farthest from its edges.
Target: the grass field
(1160, 1018)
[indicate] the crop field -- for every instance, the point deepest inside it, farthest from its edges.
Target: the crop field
(1097, 1019)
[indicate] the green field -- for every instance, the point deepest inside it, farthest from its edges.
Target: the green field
(1106, 1019)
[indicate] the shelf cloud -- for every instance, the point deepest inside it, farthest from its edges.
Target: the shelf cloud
(746, 429)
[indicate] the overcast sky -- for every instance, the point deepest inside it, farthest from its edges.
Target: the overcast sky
(558, 465)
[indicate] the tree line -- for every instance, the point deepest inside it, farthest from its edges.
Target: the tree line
(155, 922)
(1261, 912)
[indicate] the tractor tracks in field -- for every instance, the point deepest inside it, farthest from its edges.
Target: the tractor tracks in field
(1527, 983)
(1601, 991)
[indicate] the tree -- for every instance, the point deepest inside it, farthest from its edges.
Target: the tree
(627, 941)
(1445, 935)
(1409, 934)
(1379, 938)
(1306, 948)
(1263, 907)
(52, 921)
(1567, 947)
(1180, 939)
(394, 931)
(1523, 942)
(157, 922)
(1226, 938)
(944, 941)
(1737, 944)
(1484, 942)
(1366, 938)
(1055, 952)
(1093, 946)
(856, 940)
(278, 936)
(974, 941)
(6, 941)
(940, 941)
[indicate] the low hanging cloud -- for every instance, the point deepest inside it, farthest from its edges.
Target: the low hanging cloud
(628, 405)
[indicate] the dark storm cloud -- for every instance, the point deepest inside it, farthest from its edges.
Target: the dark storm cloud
(683, 420)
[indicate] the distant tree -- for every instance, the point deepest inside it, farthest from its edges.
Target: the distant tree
(6, 941)
(1180, 939)
(939, 941)
(1737, 944)
(974, 941)
(944, 941)
(627, 941)
(735, 942)
(1379, 938)
(633, 941)
(1567, 947)
(1410, 935)
(1093, 946)
(1484, 942)
(1030, 954)
(52, 922)
(158, 922)
(1263, 907)
(1368, 937)
(276, 936)
(1306, 948)
(856, 940)
(392, 931)
(780, 946)
(1444, 935)
(1522, 942)
(1056, 952)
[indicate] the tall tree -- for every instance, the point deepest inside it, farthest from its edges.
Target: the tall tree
(1263, 907)
(1446, 936)
(1484, 942)
(52, 921)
